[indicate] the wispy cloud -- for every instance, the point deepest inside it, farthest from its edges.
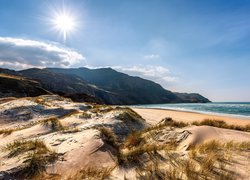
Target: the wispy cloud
(23, 53)
(152, 56)
(158, 74)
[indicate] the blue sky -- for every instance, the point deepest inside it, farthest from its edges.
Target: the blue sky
(185, 45)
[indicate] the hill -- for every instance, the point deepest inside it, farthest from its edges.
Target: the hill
(103, 85)
(18, 86)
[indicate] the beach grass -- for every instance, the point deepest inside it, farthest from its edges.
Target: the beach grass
(221, 124)
(36, 156)
(53, 123)
(21, 146)
(91, 174)
(109, 137)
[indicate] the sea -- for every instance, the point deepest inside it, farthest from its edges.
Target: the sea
(236, 109)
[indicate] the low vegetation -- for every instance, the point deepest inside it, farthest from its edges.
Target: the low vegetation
(128, 115)
(9, 131)
(101, 109)
(6, 132)
(73, 112)
(19, 147)
(91, 174)
(35, 162)
(71, 130)
(85, 115)
(40, 100)
(36, 156)
(53, 123)
(109, 137)
(221, 124)
(211, 160)
(134, 139)
(151, 157)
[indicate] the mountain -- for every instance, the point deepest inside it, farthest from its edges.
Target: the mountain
(103, 85)
(69, 85)
(18, 86)
(131, 90)
(192, 97)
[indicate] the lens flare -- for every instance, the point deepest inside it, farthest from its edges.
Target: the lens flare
(65, 23)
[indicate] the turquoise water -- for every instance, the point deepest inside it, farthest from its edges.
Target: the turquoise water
(225, 108)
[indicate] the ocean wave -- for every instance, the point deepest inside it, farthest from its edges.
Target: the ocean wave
(241, 110)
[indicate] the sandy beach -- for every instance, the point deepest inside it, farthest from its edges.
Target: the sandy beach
(153, 116)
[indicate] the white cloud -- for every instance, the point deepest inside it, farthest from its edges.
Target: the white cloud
(22, 53)
(152, 56)
(158, 74)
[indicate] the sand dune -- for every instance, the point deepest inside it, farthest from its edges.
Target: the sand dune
(201, 134)
(85, 136)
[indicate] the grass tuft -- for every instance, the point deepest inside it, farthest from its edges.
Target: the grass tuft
(91, 174)
(221, 124)
(133, 139)
(170, 122)
(101, 109)
(127, 114)
(71, 130)
(53, 123)
(19, 147)
(73, 112)
(109, 137)
(35, 162)
(85, 115)
(6, 132)
(37, 156)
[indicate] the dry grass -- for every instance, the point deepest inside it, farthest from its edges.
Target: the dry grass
(85, 115)
(40, 100)
(53, 123)
(19, 147)
(35, 162)
(141, 144)
(166, 122)
(215, 157)
(37, 156)
(128, 114)
(6, 132)
(9, 131)
(133, 139)
(170, 122)
(6, 99)
(221, 124)
(71, 130)
(91, 174)
(211, 160)
(101, 109)
(203, 163)
(138, 154)
(73, 112)
(109, 137)
(216, 146)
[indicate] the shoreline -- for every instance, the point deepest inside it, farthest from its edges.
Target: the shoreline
(200, 112)
(154, 115)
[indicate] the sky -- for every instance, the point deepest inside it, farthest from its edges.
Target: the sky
(185, 45)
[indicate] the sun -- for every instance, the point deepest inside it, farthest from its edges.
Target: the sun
(65, 23)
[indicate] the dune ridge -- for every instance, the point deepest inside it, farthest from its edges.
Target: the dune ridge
(53, 137)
